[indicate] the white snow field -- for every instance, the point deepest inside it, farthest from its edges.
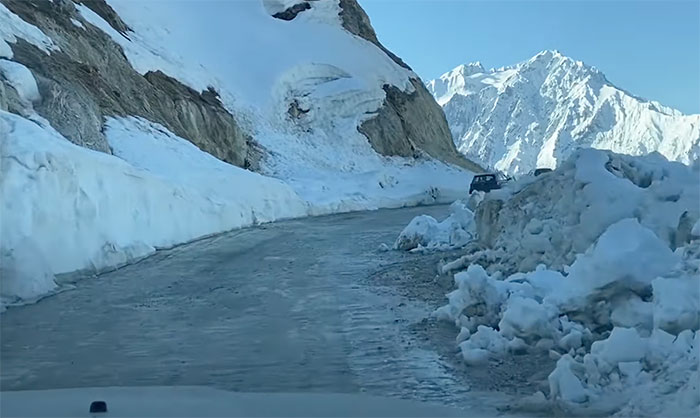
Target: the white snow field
(538, 112)
(70, 208)
(597, 263)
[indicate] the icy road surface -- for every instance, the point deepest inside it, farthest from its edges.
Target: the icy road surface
(285, 307)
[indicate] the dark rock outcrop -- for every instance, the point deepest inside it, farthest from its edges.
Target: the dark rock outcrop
(410, 123)
(407, 123)
(356, 21)
(107, 13)
(90, 79)
(292, 12)
(10, 101)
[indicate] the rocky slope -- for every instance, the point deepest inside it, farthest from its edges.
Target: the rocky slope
(536, 113)
(87, 78)
(91, 74)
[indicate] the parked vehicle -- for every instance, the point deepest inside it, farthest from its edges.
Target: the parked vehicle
(484, 183)
(539, 171)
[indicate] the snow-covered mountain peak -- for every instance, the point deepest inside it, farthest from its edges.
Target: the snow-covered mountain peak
(470, 68)
(549, 55)
(546, 66)
(546, 56)
(539, 111)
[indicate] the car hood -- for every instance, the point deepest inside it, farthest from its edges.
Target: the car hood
(188, 401)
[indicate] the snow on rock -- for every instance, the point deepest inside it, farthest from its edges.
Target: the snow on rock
(424, 232)
(162, 40)
(82, 209)
(5, 50)
(21, 79)
(77, 23)
(304, 88)
(151, 147)
(277, 6)
(622, 315)
(538, 112)
(14, 27)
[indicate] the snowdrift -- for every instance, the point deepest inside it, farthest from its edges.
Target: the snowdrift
(619, 303)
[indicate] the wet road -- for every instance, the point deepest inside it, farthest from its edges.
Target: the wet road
(286, 307)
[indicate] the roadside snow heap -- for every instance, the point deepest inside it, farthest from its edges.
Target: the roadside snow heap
(552, 218)
(426, 233)
(619, 306)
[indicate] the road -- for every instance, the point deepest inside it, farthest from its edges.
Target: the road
(285, 307)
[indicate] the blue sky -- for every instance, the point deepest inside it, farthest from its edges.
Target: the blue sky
(649, 48)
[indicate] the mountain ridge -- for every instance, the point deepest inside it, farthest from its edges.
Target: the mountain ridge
(536, 112)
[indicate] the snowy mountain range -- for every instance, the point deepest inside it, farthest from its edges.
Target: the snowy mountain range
(537, 112)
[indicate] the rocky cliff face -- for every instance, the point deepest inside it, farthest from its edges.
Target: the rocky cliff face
(89, 78)
(407, 123)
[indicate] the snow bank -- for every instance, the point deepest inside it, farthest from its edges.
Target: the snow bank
(151, 147)
(81, 209)
(393, 183)
(25, 273)
(622, 316)
(552, 218)
(424, 232)
(623, 321)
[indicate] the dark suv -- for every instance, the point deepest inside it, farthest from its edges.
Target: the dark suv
(484, 183)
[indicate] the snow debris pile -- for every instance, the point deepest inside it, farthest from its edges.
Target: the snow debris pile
(426, 233)
(552, 218)
(623, 317)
